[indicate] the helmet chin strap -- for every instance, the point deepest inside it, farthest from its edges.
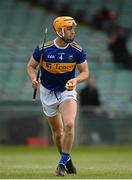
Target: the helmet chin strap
(63, 33)
(62, 36)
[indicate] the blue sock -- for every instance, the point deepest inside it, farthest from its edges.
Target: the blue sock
(64, 158)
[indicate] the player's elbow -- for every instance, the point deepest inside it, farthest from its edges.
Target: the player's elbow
(86, 75)
(29, 68)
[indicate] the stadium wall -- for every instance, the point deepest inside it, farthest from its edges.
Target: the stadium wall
(27, 121)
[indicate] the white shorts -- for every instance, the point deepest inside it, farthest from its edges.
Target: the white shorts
(51, 100)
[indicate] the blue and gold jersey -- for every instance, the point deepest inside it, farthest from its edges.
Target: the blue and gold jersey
(58, 64)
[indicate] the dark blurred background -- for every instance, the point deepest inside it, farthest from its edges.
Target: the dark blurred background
(104, 30)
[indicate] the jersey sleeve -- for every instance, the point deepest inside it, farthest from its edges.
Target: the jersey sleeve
(36, 54)
(81, 56)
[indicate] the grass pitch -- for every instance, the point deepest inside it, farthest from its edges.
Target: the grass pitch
(92, 162)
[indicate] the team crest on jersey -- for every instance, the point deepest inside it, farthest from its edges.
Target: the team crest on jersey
(70, 57)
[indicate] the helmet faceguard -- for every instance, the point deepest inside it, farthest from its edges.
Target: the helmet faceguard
(63, 22)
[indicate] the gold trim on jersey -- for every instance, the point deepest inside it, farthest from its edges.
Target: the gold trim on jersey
(58, 68)
(76, 46)
(48, 44)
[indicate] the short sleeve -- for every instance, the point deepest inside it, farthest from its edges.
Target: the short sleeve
(81, 56)
(36, 54)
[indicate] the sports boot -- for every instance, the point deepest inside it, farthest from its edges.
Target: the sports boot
(70, 168)
(60, 171)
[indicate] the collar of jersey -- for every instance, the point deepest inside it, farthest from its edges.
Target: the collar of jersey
(59, 46)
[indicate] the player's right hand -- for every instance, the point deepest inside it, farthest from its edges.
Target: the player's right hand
(35, 83)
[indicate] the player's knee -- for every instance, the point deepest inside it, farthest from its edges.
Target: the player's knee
(69, 127)
(58, 134)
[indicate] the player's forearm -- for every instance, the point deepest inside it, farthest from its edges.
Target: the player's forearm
(31, 72)
(82, 76)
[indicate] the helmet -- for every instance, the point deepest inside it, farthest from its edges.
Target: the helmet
(63, 22)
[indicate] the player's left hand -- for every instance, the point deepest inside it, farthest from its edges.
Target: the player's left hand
(71, 84)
